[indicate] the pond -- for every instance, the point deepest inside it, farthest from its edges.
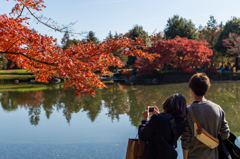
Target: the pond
(47, 122)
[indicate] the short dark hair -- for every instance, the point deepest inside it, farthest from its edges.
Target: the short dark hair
(176, 105)
(199, 83)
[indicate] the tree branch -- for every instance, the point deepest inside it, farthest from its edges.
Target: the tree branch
(12, 45)
(20, 13)
(54, 28)
(41, 21)
(30, 58)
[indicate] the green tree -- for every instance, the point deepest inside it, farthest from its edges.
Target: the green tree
(135, 32)
(116, 35)
(110, 36)
(3, 61)
(70, 42)
(210, 33)
(213, 27)
(232, 26)
(65, 38)
(66, 41)
(181, 27)
(92, 38)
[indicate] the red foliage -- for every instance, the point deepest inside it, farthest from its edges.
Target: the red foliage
(233, 44)
(181, 52)
(156, 37)
(211, 69)
(150, 70)
(188, 70)
(125, 73)
(31, 98)
(40, 54)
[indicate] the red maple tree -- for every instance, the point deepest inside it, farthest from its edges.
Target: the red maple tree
(180, 52)
(40, 54)
(233, 45)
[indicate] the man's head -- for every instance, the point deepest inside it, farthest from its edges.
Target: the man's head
(199, 83)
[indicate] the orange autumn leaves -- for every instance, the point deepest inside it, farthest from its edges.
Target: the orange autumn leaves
(33, 4)
(78, 64)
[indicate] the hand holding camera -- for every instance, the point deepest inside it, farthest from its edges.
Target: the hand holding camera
(150, 109)
(153, 109)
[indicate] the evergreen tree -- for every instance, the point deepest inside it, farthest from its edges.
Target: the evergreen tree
(210, 33)
(135, 32)
(181, 27)
(110, 36)
(65, 38)
(213, 27)
(92, 38)
(116, 35)
(69, 43)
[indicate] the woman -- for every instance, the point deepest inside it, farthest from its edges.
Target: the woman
(158, 131)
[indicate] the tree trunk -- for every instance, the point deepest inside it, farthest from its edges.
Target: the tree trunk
(236, 63)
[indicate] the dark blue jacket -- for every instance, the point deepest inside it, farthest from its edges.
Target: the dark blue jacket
(157, 131)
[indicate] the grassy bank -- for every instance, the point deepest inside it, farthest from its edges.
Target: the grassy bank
(10, 75)
(15, 72)
(14, 77)
(29, 86)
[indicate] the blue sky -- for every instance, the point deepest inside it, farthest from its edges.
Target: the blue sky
(102, 16)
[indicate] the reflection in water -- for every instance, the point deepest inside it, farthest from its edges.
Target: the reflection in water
(118, 99)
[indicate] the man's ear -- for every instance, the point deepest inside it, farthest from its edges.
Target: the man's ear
(192, 91)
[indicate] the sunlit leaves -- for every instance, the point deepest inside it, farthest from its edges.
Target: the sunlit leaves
(77, 64)
(180, 52)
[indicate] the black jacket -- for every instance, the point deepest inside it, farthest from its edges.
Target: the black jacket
(157, 131)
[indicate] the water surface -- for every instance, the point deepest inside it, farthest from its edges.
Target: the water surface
(52, 123)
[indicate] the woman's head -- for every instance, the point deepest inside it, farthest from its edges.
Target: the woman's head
(176, 105)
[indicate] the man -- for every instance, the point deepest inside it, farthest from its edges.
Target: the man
(209, 115)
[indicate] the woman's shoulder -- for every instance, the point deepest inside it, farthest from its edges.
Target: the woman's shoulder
(160, 116)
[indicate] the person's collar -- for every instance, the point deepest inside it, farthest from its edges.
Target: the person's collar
(199, 101)
(196, 101)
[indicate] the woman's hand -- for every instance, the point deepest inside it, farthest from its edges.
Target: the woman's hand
(145, 114)
(155, 110)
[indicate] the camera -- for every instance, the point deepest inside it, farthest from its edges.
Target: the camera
(150, 109)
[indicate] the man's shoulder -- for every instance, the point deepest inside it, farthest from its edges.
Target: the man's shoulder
(214, 105)
(205, 105)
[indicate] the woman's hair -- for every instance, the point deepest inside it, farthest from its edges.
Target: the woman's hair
(176, 105)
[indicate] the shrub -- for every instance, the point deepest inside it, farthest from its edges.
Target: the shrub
(211, 69)
(147, 70)
(126, 73)
(188, 70)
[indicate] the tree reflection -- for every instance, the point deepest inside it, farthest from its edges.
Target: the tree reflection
(92, 106)
(117, 99)
(34, 113)
(68, 104)
(8, 101)
(29, 98)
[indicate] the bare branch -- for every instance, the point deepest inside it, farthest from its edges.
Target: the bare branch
(54, 28)
(154, 31)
